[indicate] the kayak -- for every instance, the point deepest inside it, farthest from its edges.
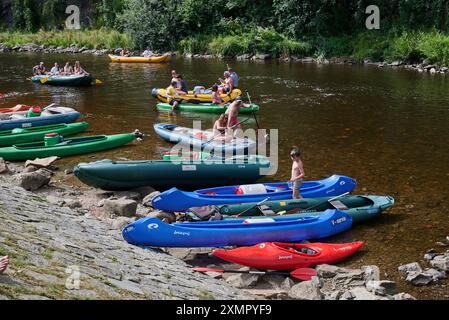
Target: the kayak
(49, 115)
(155, 233)
(360, 208)
(288, 256)
(203, 140)
(204, 108)
(74, 80)
(175, 200)
(68, 147)
(125, 175)
(161, 95)
(24, 135)
(17, 108)
(154, 59)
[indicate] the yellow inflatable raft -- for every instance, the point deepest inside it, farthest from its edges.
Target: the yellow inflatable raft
(154, 59)
(160, 94)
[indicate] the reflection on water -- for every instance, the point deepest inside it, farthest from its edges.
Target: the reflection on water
(387, 128)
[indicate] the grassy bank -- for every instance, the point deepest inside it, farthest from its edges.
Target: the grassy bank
(92, 39)
(410, 47)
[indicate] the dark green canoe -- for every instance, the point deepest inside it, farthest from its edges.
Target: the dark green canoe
(123, 175)
(25, 135)
(68, 147)
(204, 108)
(359, 207)
(72, 81)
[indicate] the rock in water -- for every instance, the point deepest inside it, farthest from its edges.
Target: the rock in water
(381, 288)
(307, 290)
(33, 180)
(120, 207)
(406, 268)
(419, 278)
(441, 262)
(3, 166)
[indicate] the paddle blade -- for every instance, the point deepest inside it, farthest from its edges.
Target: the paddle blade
(304, 274)
(43, 80)
(208, 270)
(98, 81)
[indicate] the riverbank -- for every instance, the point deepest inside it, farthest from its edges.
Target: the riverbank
(55, 229)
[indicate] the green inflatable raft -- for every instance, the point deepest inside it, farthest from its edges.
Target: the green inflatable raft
(359, 207)
(70, 81)
(205, 108)
(64, 148)
(32, 134)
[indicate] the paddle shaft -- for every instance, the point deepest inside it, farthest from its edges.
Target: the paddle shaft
(256, 205)
(229, 128)
(254, 113)
(318, 204)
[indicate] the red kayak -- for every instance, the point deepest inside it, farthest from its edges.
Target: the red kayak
(19, 107)
(288, 256)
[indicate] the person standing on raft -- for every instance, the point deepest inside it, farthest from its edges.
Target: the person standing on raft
(298, 174)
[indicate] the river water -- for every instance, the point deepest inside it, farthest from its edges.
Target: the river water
(389, 129)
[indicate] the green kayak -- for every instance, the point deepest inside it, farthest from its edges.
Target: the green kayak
(57, 80)
(359, 207)
(65, 148)
(32, 134)
(204, 107)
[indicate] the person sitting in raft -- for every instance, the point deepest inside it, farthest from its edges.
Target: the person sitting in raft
(4, 262)
(227, 85)
(147, 53)
(221, 127)
(216, 97)
(78, 70)
(174, 77)
(55, 70)
(124, 53)
(68, 69)
(182, 87)
(234, 76)
(39, 69)
(172, 95)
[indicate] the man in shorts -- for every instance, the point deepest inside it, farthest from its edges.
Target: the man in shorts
(298, 174)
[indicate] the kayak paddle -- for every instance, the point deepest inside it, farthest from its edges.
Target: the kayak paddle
(256, 205)
(293, 211)
(303, 274)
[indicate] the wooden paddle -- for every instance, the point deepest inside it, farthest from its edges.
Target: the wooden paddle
(303, 274)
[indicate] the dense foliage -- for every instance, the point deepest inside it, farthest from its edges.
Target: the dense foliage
(409, 29)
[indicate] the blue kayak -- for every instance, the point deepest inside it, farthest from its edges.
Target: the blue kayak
(203, 140)
(237, 232)
(51, 115)
(176, 200)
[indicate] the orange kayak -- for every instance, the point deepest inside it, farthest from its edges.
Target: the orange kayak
(19, 107)
(288, 256)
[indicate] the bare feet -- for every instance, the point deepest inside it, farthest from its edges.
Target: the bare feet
(4, 261)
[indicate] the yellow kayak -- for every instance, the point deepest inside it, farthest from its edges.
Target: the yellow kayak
(155, 59)
(161, 95)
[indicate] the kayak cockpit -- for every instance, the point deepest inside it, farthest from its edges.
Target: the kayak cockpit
(71, 142)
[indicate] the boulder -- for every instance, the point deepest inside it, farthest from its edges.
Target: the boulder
(143, 191)
(30, 169)
(287, 284)
(3, 166)
(382, 288)
(243, 280)
(436, 275)
(360, 293)
(410, 267)
(127, 194)
(349, 278)
(32, 181)
(307, 290)
(147, 200)
(441, 262)
(371, 273)
(330, 271)
(120, 207)
(395, 64)
(261, 56)
(121, 222)
(419, 278)
(73, 203)
(275, 281)
(244, 57)
(55, 200)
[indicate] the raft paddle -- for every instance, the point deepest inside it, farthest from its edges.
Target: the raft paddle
(303, 274)
(293, 211)
(98, 81)
(267, 136)
(44, 80)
